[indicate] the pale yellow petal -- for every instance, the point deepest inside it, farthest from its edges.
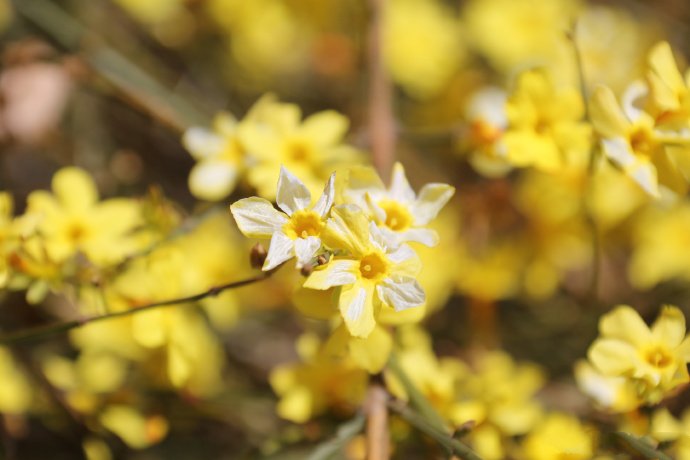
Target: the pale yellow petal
(257, 218)
(624, 323)
(612, 357)
(337, 272)
(347, 229)
(371, 353)
(74, 188)
(607, 116)
(357, 308)
(669, 327)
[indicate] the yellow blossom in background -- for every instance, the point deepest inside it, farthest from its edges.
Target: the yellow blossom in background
(220, 158)
(669, 95)
(516, 34)
(16, 392)
(320, 382)
(653, 360)
(629, 139)
(660, 237)
(311, 148)
(373, 272)
(71, 220)
(422, 45)
(559, 436)
(545, 127)
(666, 428)
(616, 393)
(498, 394)
(135, 428)
(6, 236)
(295, 232)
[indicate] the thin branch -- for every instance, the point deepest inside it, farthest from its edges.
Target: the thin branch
(378, 437)
(40, 332)
(591, 169)
(443, 438)
(381, 120)
(640, 446)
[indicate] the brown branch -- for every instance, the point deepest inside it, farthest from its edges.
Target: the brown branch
(381, 120)
(378, 437)
(39, 332)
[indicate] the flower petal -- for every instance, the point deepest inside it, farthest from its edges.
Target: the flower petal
(280, 249)
(348, 228)
(257, 218)
(356, 306)
(326, 199)
(305, 249)
(611, 356)
(431, 198)
(618, 149)
(338, 272)
(372, 353)
(325, 128)
(74, 188)
(425, 236)
(400, 189)
(406, 262)
(212, 180)
(625, 324)
(401, 293)
(669, 327)
(202, 143)
(292, 194)
(607, 117)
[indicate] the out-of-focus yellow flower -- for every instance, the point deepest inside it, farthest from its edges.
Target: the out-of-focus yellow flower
(630, 139)
(518, 33)
(220, 158)
(6, 236)
(311, 149)
(16, 394)
(372, 272)
(660, 236)
(545, 130)
(498, 395)
(72, 220)
(137, 430)
(296, 232)
(653, 360)
(486, 115)
(422, 45)
(615, 393)
(668, 90)
(559, 436)
(666, 428)
(321, 382)
(400, 213)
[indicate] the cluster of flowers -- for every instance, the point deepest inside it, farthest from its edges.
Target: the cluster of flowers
(355, 242)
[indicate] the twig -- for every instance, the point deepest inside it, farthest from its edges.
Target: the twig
(345, 433)
(640, 446)
(421, 423)
(378, 437)
(381, 121)
(591, 170)
(52, 329)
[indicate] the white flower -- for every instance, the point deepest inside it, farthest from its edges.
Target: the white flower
(401, 214)
(296, 231)
(373, 271)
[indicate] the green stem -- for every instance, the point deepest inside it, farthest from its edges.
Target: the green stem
(39, 332)
(641, 447)
(440, 436)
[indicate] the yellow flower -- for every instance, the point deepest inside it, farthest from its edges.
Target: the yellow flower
(293, 233)
(653, 360)
(318, 383)
(559, 436)
(614, 393)
(630, 140)
(372, 272)
(16, 393)
(422, 45)
(71, 220)
(220, 158)
(668, 90)
(546, 130)
(665, 427)
(311, 149)
(401, 214)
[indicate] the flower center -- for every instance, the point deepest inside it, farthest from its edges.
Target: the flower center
(302, 224)
(642, 142)
(297, 151)
(658, 357)
(373, 266)
(76, 232)
(398, 218)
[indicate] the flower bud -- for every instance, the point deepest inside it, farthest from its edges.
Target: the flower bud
(257, 256)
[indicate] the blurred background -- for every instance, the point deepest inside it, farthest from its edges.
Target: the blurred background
(111, 86)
